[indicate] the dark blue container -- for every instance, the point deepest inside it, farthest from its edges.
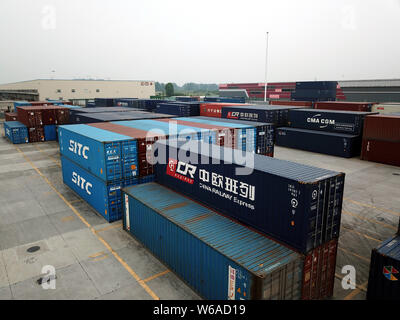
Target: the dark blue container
(217, 258)
(107, 155)
(104, 102)
(104, 197)
(349, 122)
(276, 115)
(335, 144)
(225, 99)
(384, 273)
(181, 109)
(115, 116)
(293, 203)
(50, 133)
(16, 132)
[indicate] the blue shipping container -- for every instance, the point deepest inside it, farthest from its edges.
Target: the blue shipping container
(334, 144)
(16, 132)
(349, 122)
(50, 133)
(104, 197)
(110, 156)
(293, 203)
(218, 258)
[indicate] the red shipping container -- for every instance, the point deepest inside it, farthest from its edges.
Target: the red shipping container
(36, 134)
(40, 103)
(304, 104)
(387, 152)
(344, 106)
(36, 116)
(214, 110)
(319, 272)
(382, 127)
(11, 116)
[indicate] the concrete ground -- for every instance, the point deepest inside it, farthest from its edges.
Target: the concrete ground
(97, 260)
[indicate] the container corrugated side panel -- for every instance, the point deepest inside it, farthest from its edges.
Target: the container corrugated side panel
(50, 132)
(218, 258)
(104, 197)
(98, 151)
(382, 127)
(296, 204)
(335, 144)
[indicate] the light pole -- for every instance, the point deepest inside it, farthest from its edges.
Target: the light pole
(266, 71)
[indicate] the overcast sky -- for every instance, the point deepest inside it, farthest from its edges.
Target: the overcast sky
(205, 41)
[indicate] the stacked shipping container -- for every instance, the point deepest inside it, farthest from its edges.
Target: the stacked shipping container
(336, 133)
(181, 109)
(381, 140)
(112, 155)
(41, 119)
(16, 132)
(308, 218)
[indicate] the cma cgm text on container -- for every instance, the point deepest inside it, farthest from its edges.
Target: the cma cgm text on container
(296, 204)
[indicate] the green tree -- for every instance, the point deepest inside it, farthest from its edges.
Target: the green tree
(169, 89)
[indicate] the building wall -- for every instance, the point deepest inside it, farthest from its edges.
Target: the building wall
(85, 89)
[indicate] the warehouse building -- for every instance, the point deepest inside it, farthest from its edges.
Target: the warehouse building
(85, 89)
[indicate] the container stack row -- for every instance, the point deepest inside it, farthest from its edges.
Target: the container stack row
(180, 108)
(271, 232)
(337, 133)
(99, 159)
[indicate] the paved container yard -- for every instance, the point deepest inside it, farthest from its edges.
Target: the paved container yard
(97, 260)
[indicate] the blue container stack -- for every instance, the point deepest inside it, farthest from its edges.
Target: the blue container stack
(97, 164)
(297, 205)
(16, 132)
